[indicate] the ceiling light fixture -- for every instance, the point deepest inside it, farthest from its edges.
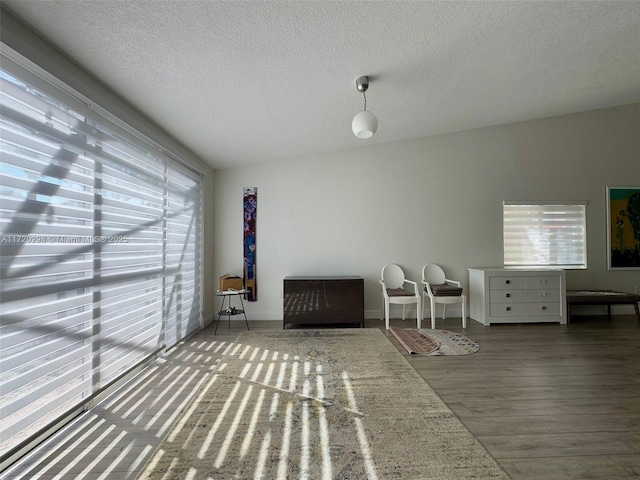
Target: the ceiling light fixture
(365, 123)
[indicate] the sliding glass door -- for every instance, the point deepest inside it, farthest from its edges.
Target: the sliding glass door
(100, 240)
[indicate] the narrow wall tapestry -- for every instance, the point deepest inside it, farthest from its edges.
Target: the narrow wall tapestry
(623, 228)
(250, 213)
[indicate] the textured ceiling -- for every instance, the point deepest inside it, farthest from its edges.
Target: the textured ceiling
(243, 82)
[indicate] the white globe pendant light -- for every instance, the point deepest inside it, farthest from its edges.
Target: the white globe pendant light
(365, 123)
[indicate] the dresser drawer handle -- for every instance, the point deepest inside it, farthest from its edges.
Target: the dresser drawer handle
(543, 294)
(507, 282)
(508, 295)
(543, 282)
(508, 309)
(544, 307)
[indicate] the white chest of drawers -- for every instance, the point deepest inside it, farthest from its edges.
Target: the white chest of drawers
(499, 295)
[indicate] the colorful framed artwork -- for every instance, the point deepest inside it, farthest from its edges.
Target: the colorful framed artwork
(623, 228)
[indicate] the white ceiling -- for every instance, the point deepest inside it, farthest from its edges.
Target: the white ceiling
(243, 82)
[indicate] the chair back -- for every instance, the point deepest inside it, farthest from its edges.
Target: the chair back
(392, 276)
(433, 274)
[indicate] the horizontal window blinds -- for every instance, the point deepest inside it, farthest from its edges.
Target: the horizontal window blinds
(182, 241)
(99, 256)
(545, 234)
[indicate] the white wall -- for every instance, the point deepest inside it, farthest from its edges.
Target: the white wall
(436, 199)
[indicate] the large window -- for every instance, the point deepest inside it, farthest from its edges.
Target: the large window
(99, 253)
(545, 234)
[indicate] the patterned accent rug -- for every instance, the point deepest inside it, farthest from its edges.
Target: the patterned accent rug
(319, 404)
(434, 342)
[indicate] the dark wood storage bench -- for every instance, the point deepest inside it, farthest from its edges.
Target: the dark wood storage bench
(323, 301)
(601, 297)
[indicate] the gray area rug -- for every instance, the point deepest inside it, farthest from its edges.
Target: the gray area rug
(319, 404)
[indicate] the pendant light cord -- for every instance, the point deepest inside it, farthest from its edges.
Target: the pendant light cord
(365, 100)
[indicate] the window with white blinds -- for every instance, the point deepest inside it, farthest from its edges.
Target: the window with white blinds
(99, 254)
(545, 234)
(182, 247)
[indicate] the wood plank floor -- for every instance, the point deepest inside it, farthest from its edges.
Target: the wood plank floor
(548, 401)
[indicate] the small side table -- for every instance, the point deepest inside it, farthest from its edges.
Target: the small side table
(229, 311)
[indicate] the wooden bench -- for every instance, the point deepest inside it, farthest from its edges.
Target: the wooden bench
(601, 297)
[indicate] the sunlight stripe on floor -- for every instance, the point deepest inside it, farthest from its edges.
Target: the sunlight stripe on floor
(248, 436)
(245, 370)
(214, 428)
(227, 349)
(235, 349)
(158, 397)
(254, 354)
(304, 454)
(187, 416)
(219, 346)
(153, 463)
(273, 411)
(267, 376)
(324, 427)
(133, 467)
(231, 431)
(86, 451)
(362, 437)
(169, 403)
(114, 464)
(286, 438)
(294, 376)
(262, 457)
(141, 458)
(266, 442)
(256, 372)
(192, 474)
(244, 352)
(53, 461)
(135, 407)
(103, 453)
(172, 466)
(178, 410)
(281, 375)
(120, 399)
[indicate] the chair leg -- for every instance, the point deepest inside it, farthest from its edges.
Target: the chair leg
(386, 315)
(403, 317)
(464, 312)
(433, 314)
(418, 316)
(444, 311)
